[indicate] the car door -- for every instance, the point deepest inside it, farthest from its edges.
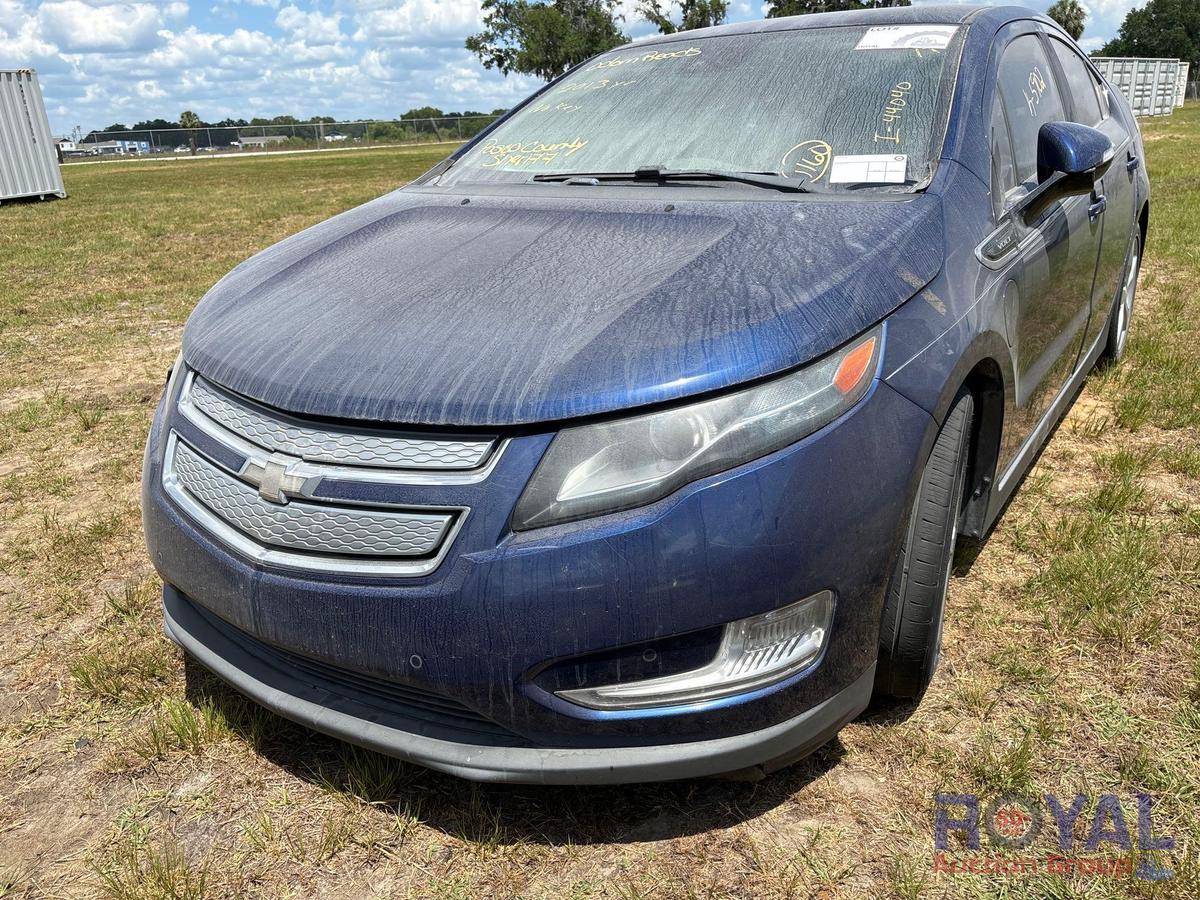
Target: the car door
(1088, 102)
(1050, 262)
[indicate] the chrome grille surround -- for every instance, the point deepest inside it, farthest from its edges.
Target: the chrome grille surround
(361, 448)
(271, 509)
(307, 526)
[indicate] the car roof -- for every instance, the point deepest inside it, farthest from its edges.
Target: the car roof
(944, 14)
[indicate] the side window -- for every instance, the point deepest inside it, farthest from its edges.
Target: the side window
(1079, 83)
(1031, 100)
(1004, 176)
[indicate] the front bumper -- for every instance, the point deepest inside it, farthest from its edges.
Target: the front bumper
(825, 513)
(324, 707)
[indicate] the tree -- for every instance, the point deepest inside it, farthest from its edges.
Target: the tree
(1070, 14)
(695, 14)
(424, 112)
(777, 9)
(188, 119)
(1161, 28)
(544, 39)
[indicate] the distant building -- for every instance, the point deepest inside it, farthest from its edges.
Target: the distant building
(116, 148)
(253, 143)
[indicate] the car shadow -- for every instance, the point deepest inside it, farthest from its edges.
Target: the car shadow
(499, 813)
(968, 550)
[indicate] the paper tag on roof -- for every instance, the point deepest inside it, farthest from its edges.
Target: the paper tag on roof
(907, 37)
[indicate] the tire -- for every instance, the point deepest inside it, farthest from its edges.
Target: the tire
(910, 635)
(1122, 311)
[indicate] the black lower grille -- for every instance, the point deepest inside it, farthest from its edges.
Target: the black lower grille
(423, 711)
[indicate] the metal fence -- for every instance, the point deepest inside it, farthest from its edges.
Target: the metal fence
(246, 138)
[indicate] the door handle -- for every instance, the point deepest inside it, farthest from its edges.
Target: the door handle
(1097, 207)
(1132, 163)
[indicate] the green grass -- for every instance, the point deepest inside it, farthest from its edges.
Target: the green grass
(1071, 659)
(140, 871)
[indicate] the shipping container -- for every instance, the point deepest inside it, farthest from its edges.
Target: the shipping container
(28, 159)
(1150, 85)
(1181, 84)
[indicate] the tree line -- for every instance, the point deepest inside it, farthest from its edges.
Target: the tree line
(182, 131)
(1162, 29)
(1167, 29)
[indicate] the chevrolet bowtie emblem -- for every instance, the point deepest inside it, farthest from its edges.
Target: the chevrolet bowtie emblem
(274, 477)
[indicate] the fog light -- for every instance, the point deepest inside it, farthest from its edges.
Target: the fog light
(754, 653)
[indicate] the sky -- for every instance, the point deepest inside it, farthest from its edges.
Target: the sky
(102, 62)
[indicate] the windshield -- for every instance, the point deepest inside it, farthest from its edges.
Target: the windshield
(841, 108)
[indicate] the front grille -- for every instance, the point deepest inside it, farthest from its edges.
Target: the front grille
(424, 710)
(227, 468)
(305, 526)
(360, 447)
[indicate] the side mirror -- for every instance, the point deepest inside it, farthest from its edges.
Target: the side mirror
(1072, 149)
(1071, 157)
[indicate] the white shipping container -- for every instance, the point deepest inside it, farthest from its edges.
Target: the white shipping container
(1181, 84)
(1150, 85)
(28, 161)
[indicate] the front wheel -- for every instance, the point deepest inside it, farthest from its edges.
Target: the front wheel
(910, 637)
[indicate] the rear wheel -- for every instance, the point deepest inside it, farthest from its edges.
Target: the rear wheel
(910, 637)
(1122, 313)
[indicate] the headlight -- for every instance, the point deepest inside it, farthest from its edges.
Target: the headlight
(610, 466)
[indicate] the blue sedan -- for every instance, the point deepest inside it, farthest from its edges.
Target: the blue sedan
(633, 441)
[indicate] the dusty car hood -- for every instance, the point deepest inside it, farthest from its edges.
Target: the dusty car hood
(419, 308)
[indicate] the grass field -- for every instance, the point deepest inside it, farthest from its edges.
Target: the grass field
(1072, 660)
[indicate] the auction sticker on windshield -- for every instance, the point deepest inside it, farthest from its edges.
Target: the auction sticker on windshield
(869, 168)
(907, 37)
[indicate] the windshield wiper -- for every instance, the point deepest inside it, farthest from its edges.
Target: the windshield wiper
(657, 173)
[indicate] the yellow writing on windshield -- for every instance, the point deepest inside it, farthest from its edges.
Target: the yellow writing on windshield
(598, 85)
(893, 110)
(652, 56)
(808, 159)
(526, 153)
(543, 106)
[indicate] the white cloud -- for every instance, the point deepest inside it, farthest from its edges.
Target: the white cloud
(421, 21)
(12, 16)
(74, 25)
(21, 44)
(375, 66)
(149, 90)
(310, 27)
(193, 48)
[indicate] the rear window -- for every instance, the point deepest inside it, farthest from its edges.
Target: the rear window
(810, 104)
(1079, 83)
